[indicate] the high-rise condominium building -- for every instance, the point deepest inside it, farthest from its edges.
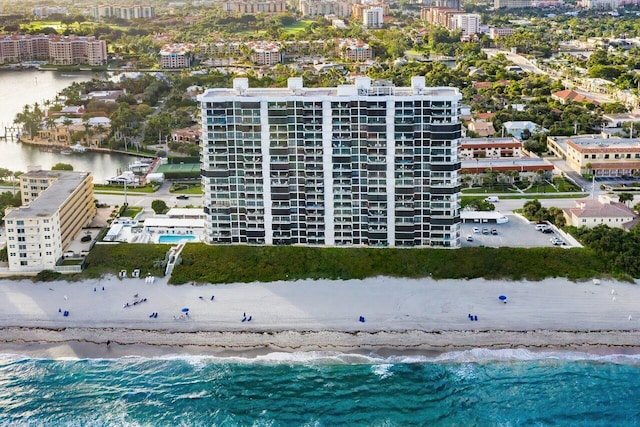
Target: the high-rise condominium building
(367, 164)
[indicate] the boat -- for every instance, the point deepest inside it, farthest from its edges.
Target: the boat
(78, 148)
(66, 152)
(127, 177)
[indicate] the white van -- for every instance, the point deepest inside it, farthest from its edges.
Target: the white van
(492, 199)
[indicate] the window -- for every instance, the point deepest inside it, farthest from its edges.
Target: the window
(19, 222)
(606, 156)
(23, 263)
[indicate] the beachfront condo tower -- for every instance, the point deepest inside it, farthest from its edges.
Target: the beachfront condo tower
(367, 164)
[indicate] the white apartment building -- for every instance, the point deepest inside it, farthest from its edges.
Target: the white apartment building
(600, 4)
(373, 17)
(338, 8)
(469, 23)
(368, 164)
(44, 11)
(56, 205)
(123, 12)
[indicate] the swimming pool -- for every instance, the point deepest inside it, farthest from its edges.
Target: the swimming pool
(175, 238)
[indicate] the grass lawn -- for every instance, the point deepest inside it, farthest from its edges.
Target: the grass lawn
(131, 211)
(186, 188)
(297, 27)
(116, 189)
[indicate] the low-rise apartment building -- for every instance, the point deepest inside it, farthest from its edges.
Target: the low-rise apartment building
(55, 207)
(59, 50)
(265, 52)
(491, 148)
(176, 55)
(354, 50)
(599, 155)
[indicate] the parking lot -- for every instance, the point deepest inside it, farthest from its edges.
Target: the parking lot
(516, 233)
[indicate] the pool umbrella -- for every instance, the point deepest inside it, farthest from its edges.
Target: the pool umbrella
(503, 298)
(185, 310)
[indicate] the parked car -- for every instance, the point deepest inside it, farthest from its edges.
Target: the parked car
(541, 227)
(485, 231)
(494, 231)
(182, 197)
(476, 230)
(546, 230)
(492, 199)
(469, 238)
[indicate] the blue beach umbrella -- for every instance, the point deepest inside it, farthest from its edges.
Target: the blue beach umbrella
(503, 298)
(184, 310)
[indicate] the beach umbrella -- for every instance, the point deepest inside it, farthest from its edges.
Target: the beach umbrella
(185, 310)
(503, 298)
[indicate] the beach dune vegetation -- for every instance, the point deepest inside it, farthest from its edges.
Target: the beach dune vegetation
(229, 264)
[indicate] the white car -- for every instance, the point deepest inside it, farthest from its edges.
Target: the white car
(476, 230)
(469, 238)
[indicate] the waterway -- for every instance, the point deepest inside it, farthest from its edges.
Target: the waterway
(19, 88)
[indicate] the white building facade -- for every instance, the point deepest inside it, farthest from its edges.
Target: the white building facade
(55, 206)
(367, 164)
(469, 23)
(373, 17)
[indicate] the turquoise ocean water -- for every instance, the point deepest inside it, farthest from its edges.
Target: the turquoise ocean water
(469, 388)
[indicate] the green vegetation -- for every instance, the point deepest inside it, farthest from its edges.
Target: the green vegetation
(7, 199)
(110, 259)
(131, 211)
(47, 276)
(533, 211)
(119, 189)
(297, 27)
(62, 167)
(159, 206)
(619, 249)
(228, 264)
(186, 188)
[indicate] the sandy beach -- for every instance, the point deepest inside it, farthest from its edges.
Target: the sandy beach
(400, 316)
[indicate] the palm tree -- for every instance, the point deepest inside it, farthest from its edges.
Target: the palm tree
(67, 123)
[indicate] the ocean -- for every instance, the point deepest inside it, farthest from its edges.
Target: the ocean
(467, 388)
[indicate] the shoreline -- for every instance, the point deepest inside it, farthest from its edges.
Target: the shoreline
(82, 343)
(402, 317)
